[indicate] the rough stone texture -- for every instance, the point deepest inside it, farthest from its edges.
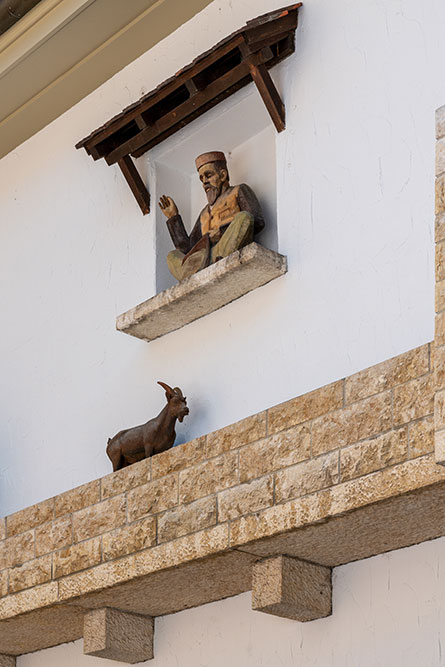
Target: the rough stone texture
(413, 400)
(245, 498)
(129, 539)
(77, 557)
(156, 496)
(440, 261)
(440, 296)
(209, 477)
(440, 156)
(54, 535)
(440, 122)
(19, 549)
(439, 229)
(355, 422)
(2, 529)
(374, 454)
(387, 374)
(440, 329)
(440, 196)
(178, 458)
(99, 518)
(7, 661)
(247, 430)
(421, 437)
(78, 498)
(118, 635)
(292, 588)
(277, 451)
(29, 517)
(187, 519)
(125, 479)
(307, 477)
(3, 583)
(306, 407)
(203, 293)
(30, 574)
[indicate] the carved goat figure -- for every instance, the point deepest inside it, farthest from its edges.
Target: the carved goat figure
(153, 437)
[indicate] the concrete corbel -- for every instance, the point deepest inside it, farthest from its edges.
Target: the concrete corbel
(292, 588)
(118, 635)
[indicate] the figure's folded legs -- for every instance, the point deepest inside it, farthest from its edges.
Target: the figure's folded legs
(194, 262)
(238, 234)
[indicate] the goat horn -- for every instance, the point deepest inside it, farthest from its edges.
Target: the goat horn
(178, 392)
(169, 391)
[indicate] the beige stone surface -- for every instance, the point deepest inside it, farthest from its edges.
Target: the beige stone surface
(128, 478)
(78, 498)
(178, 458)
(129, 539)
(245, 498)
(208, 477)
(53, 535)
(307, 477)
(303, 408)
(7, 661)
(32, 573)
(439, 367)
(99, 518)
(387, 374)
(413, 400)
(234, 436)
(439, 228)
(440, 122)
(440, 328)
(292, 588)
(440, 197)
(35, 598)
(439, 447)
(440, 261)
(77, 557)
(4, 583)
(277, 451)
(374, 454)
(203, 293)
(439, 409)
(440, 156)
(3, 564)
(356, 422)
(117, 635)
(19, 549)
(187, 519)
(29, 517)
(154, 497)
(2, 529)
(440, 296)
(421, 437)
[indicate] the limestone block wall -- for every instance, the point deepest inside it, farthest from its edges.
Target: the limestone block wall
(439, 410)
(336, 437)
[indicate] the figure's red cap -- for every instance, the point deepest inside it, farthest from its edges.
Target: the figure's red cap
(205, 158)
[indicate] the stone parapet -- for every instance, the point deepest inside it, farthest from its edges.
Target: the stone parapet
(344, 472)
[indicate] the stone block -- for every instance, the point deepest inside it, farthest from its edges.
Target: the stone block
(32, 573)
(29, 517)
(2, 529)
(277, 451)
(440, 122)
(3, 564)
(360, 420)
(78, 498)
(307, 477)
(156, 496)
(118, 635)
(440, 296)
(77, 557)
(7, 661)
(439, 367)
(129, 539)
(208, 477)
(231, 437)
(4, 583)
(387, 374)
(54, 535)
(125, 479)
(178, 458)
(306, 407)
(186, 519)
(292, 588)
(374, 454)
(203, 293)
(439, 447)
(439, 201)
(245, 498)
(439, 335)
(440, 156)
(100, 518)
(19, 549)
(440, 261)
(421, 437)
(414, 400)
(439, 410)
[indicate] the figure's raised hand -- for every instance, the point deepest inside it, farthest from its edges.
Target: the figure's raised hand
(168, 206)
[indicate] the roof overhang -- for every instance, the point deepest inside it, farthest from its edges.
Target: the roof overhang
(62, 50)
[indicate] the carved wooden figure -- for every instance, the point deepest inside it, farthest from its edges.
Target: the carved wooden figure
(155, 436)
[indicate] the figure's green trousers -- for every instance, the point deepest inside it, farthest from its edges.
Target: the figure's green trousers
(238, 234)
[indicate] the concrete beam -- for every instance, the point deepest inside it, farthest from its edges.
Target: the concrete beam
(118, 635)
(292, 588)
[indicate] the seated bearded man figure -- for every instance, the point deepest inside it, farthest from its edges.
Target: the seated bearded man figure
(229, 221)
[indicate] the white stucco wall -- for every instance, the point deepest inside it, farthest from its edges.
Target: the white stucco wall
(354, 188)
(388, 612)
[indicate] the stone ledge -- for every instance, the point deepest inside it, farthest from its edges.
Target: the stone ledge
(203, 293)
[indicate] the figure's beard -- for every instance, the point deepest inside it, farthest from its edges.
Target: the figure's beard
(212, 195)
